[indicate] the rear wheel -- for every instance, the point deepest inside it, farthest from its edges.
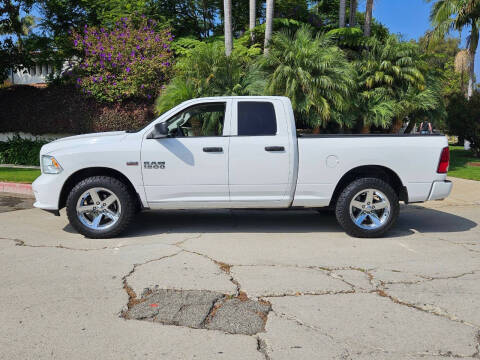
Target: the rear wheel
(368, 207)
(100, 207)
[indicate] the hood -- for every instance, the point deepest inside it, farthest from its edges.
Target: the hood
(82, 140)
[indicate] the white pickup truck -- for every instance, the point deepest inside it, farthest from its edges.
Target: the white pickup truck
(238, 152)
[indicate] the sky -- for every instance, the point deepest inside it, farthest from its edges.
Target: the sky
(409, 18)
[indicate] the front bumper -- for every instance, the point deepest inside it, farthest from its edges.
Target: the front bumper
(440, 190)
(47, 189)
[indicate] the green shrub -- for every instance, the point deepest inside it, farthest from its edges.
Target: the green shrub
(20, 151)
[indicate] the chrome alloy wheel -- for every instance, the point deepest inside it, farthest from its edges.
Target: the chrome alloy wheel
(370, 209)
(98, 208)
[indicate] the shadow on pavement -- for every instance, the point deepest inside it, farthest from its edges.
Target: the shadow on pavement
(423, 220)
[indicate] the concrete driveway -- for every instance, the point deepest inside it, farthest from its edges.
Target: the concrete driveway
(244, 285)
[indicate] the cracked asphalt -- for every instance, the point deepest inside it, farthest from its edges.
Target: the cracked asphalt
(243, 285)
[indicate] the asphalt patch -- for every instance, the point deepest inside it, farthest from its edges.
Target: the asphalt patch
(201, 309)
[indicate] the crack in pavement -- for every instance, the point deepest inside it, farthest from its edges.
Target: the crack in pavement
(262, 348)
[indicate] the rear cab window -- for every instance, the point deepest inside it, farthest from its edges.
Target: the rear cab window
(256, 118)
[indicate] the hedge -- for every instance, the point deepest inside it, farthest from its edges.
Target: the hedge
(60, 109)
(20, 151)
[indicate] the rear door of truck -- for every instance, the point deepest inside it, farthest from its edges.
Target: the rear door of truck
(260, 165)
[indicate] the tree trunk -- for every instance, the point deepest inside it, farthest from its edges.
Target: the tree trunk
(353, 13)
(268, 24)
(227, 9)
(368, 18)
(365, 129)
(472, 51)
(410, 126)
(341, 15)
(253, 19)
(397, 125)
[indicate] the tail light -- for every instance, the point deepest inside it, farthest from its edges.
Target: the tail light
(444, 161)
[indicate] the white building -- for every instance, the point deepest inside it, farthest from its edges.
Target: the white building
(36, 74)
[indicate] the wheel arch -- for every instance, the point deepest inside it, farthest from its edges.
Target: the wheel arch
(373, 171)
(82, 174)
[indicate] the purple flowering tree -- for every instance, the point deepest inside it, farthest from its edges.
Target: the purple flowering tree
(131, 61)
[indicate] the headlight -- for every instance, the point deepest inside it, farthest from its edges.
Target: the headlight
(50, 165)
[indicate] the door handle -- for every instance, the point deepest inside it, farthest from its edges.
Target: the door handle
(274, 148)
(212, 149)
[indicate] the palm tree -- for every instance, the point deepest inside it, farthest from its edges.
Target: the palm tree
(386, 73)
(268, 24)
(252, 18)
(313, 73)
(448, 15)
(353, 13)
(341, 14)
(227, 8)
(368, 18)
(206, 71)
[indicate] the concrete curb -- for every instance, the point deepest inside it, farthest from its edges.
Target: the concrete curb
(16, 188)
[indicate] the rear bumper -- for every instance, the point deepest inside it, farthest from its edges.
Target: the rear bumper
(440, 190)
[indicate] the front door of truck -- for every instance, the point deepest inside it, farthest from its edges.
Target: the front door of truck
(189, 168)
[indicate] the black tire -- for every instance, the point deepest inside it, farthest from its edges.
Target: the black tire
(342, 208)
(125, 197)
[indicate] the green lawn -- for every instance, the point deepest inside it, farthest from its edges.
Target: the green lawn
(18, 175)
(458, 164)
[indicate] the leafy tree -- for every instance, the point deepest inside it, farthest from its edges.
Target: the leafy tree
(131, 61)
(448, 15)
(13, 29)
(464, 119)
(313, 73)
(292, 9)
(205, 70)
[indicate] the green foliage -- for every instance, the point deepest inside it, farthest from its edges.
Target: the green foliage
(313, 73)
(351, 36)
(204, 71)
(391, 78)
(292, 9)
(464, 119)
(131, 61)
(20, 151)
(450, 15)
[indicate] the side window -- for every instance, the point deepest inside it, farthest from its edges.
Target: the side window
(198, 120)
(256, 118)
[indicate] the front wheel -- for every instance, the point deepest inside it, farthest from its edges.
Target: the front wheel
(100, 207)
(367, 208)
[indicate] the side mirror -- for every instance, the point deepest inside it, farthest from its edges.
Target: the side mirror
(160, 131)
